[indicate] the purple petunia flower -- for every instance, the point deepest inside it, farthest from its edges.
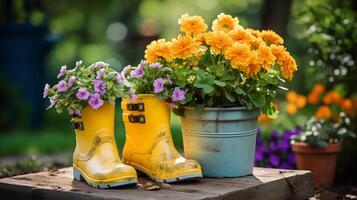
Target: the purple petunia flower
(71, 81)
(121, 79)
(284, 145)
(62, 72)
(178, 95)
(45, 90)
(274, 135)
(95, 101)
(101, 64)
(100, 74)
(126, 69)
(155, 65)
(99, 86)
(138, 72)
(82, 94)
(70, 111)
(53, 101)
(274, 160)
(273, 146)
(142, 63)
(62, 86)
(159, 85)
(133, 96)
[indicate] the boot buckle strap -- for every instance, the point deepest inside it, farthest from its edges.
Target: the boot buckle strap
(78, 125)
(137, 119)
(135, 106)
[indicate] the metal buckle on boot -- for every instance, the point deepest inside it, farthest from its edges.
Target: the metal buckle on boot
(78, 125)
(135, 106)
(136, 119)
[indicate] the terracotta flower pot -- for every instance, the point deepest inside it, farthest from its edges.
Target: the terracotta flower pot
(320, 161)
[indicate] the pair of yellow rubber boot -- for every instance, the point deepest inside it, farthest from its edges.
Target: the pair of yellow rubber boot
(148, 148)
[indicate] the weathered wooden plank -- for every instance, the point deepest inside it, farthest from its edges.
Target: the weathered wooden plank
(264, 184)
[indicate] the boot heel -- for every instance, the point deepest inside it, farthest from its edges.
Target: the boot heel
(76, 175)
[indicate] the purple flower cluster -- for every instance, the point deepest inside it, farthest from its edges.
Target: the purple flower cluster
(276, 153)
(178, 95)
(99, 86)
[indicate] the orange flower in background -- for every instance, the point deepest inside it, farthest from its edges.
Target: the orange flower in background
(192, 25)
(271, 37)
(292, 96)
(301, 101)
(313, 99)
(218, 41)
(323, 112)
(158, 50)
(347, 105)
(291, 108)
(239, 55)
(263, 118)
(225, 23)
(332, 97)
(315, 94)
(265, 57)
(318, 88)
(184, 47)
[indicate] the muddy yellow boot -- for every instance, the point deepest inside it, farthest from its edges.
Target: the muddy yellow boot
(149, 146)
(96, 159)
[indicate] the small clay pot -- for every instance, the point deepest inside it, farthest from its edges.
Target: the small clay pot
(320, 161)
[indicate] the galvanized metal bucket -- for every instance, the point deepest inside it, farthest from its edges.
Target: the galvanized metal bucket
(222, 140)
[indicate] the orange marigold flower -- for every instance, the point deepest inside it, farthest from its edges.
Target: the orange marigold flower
(225, 23)
(253, 67)
(239, 55)
(271, 37)
(291, 108)
(241, 35)
(263, 118)
(158, 50)
(265, 57)
(285, 60)
(332, 97)
(291, 96)
(347, 105)
(313, 98)
(254, 32)
(301, 101)
(323, 112)
(184, 47)
(192, 25)
(318, 88)
(218, 41)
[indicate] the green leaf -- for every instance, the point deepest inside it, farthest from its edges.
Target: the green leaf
(220, 83)
(258, 100)
(239, 90)
(206, 88)
(229, 96)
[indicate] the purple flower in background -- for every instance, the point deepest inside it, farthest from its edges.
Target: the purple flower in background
(274, 160)
(82, 94)
(79, 63)
(70, 111)
(95, 101)
(142, 63)
(62, 72)
(273, 146)
(285, 165)
(274, 135)
(101, 64)
(138, 72)
(159, 85)
(100, 74)
(99, 86)
(53, 101)
(71, 81)
(259, 155)
(121, 79)
(133, 96)
(284, 145)
(45, 90)
(62, 86)
(155, 65)
(126, 69)
(178, 95)
(291, 158)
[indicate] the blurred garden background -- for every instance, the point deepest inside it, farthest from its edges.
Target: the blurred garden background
(37, 37)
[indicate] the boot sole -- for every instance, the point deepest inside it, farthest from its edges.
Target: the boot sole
(79, 177)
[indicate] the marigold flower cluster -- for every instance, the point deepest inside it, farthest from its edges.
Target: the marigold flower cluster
(247, 50)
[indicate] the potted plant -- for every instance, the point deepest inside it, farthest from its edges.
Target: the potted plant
(146, 114)
(228, 76)
(88, 94)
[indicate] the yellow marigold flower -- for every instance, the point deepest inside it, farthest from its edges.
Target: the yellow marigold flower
(184, 47)
(192, 25)
(323, 112)
(241, 35)
(265, 57)
(271, 37)
(240, 56)
(291, 108)
(218, 41)
(158, 50)
(225, 23)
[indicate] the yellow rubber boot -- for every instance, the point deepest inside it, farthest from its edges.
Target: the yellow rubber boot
(149, 146)
(96, 159)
